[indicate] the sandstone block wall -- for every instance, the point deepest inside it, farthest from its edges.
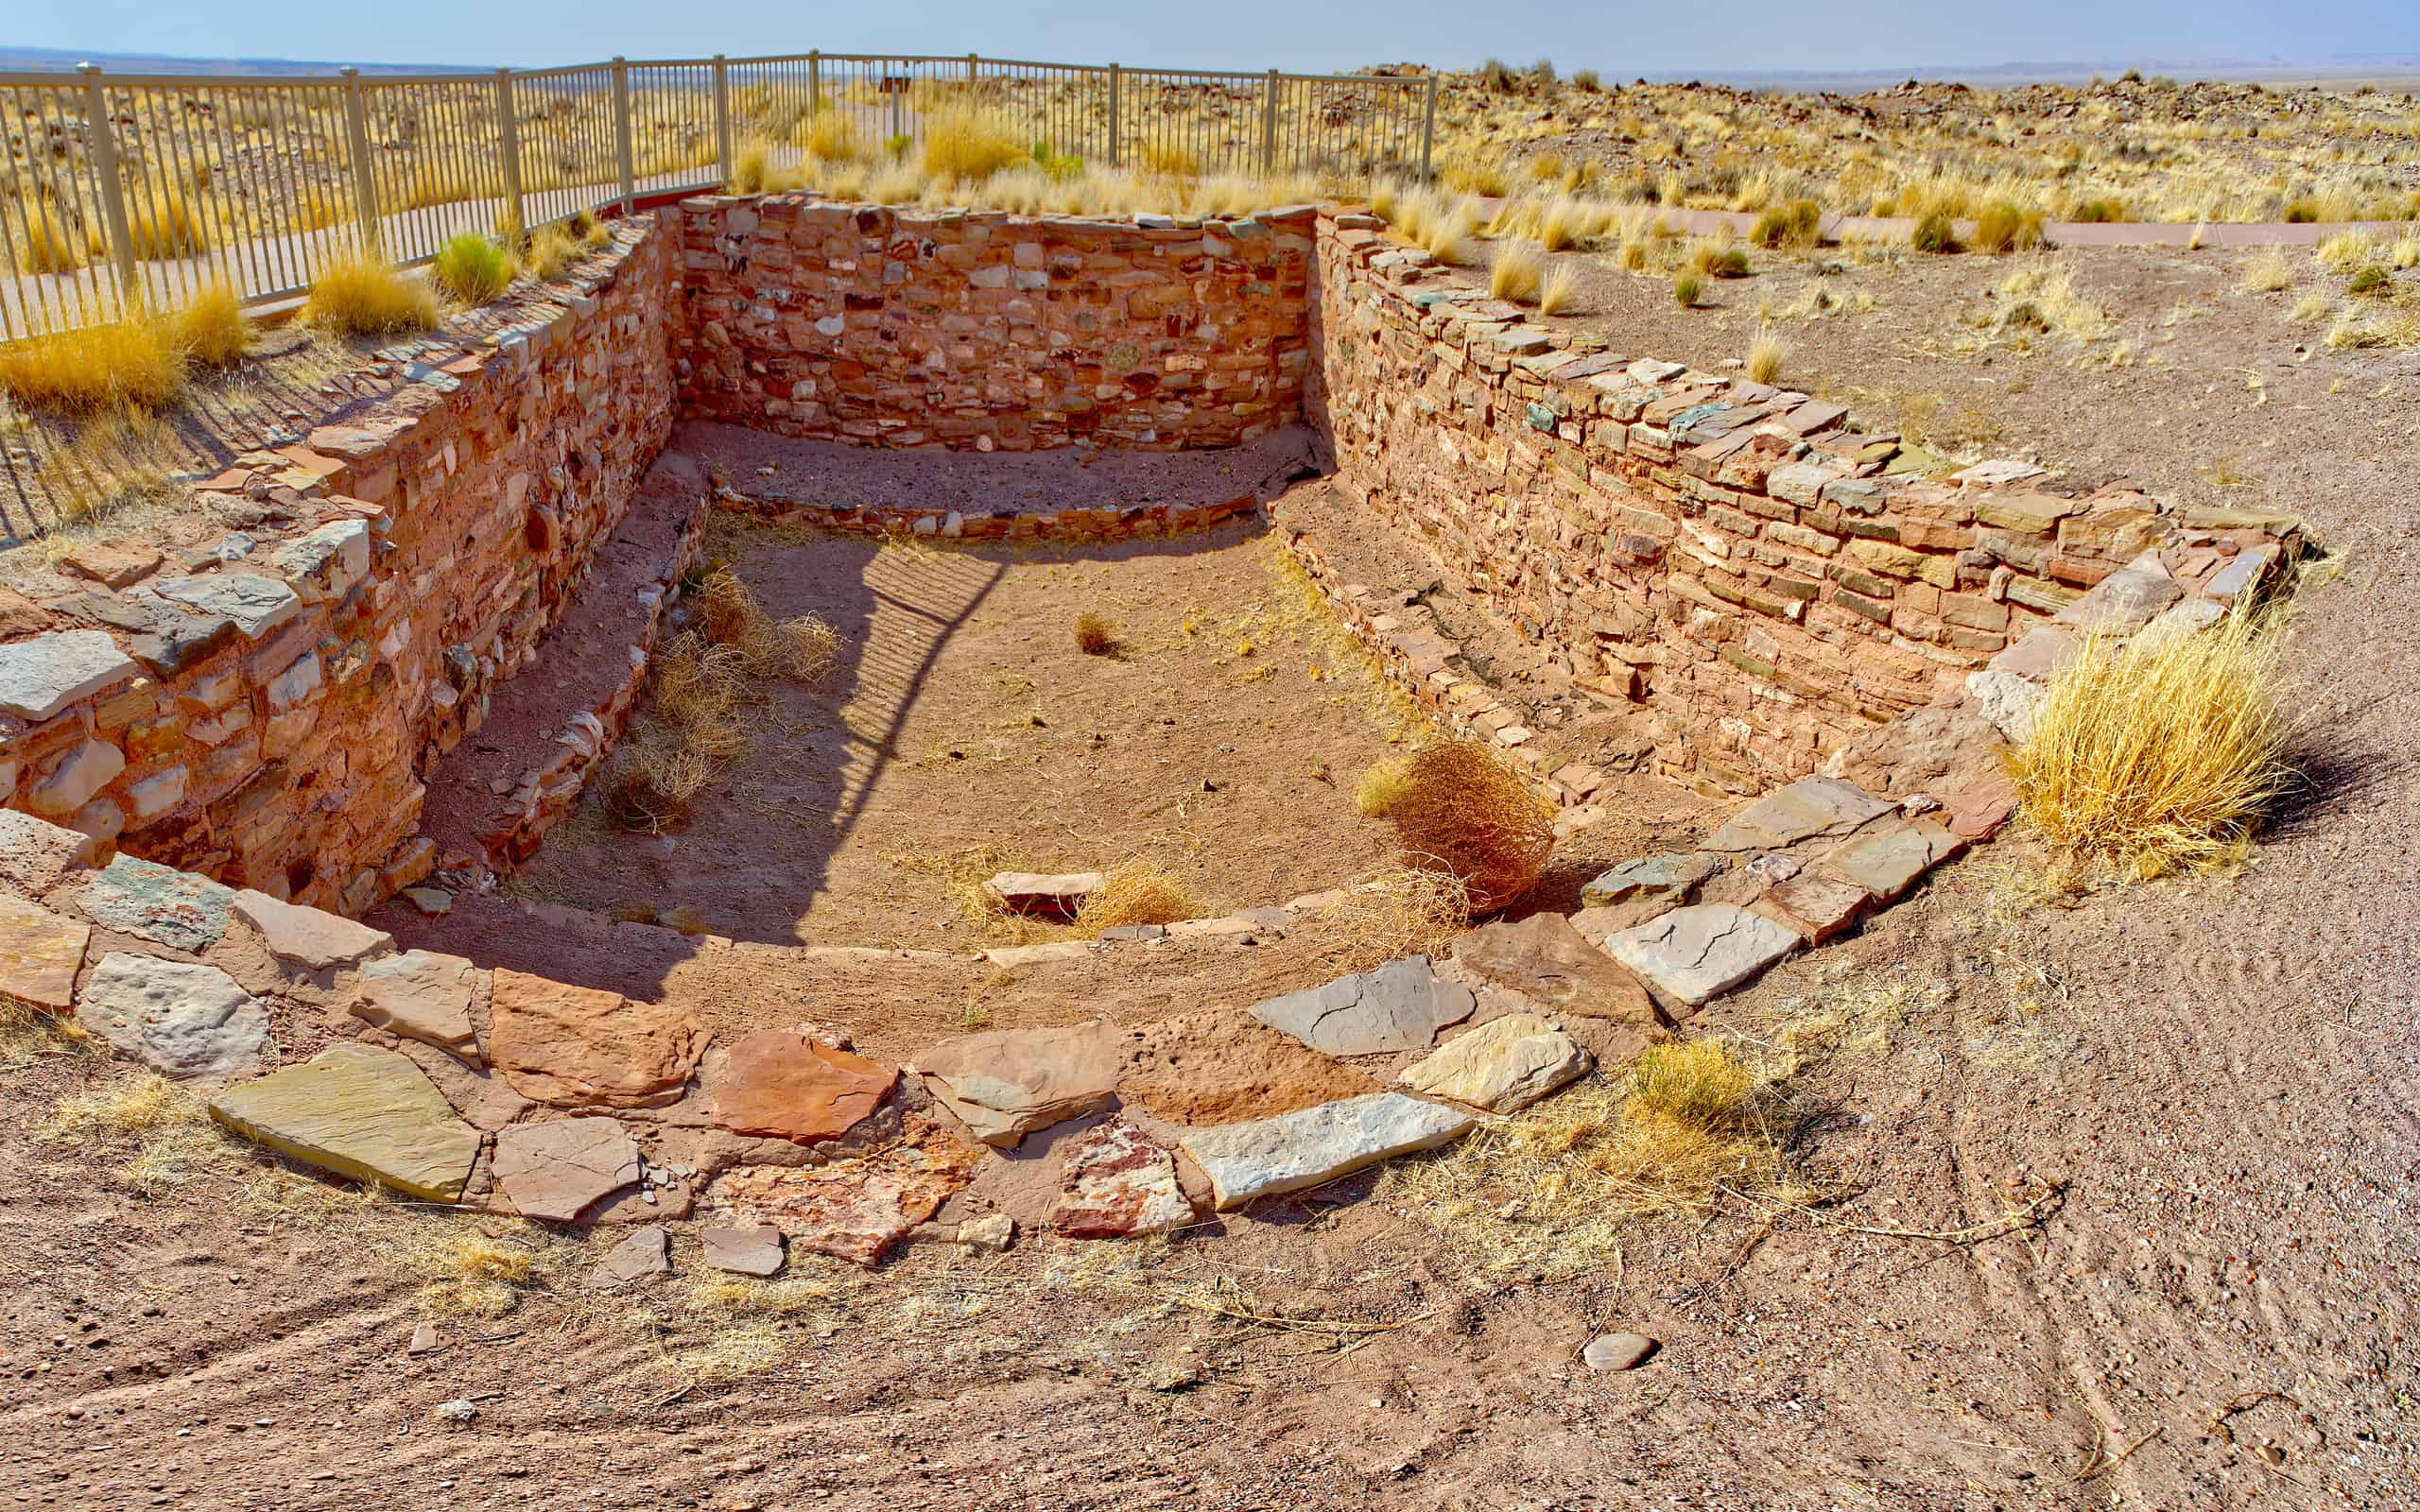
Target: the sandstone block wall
(1766, 583)
(883, 327)
(253, 687)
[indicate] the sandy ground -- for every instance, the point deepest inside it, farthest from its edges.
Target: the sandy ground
(2217, 1074)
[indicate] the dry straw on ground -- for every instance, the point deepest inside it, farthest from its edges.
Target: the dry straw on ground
(1459, 810)
(1094, 634)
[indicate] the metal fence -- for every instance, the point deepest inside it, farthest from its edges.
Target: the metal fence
(127, 190)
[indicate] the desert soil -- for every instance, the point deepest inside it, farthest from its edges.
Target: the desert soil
(2215, 1073)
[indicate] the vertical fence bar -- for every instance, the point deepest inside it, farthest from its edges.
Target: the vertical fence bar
(103, 142)
(722, 116)
(1114, 78)
(1268, 123)
(365, 182)
(814, 84)
(622, 130)
(974, 69)
(1428, 131)
(508, 133)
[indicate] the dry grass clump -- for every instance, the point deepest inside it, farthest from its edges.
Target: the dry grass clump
(211, 330)
(2160, 753)
(473, 269)
(2267, 273)
(163, 224)
(2004, 228)
(50, 244)
(802, 648)
(1134, 892)
(1798, 224)
(1549, 1191)
(1934, 233)
(1766, 354)
(1560, 288)
(164, 1129)
(1687, 291)
(1457, 810)
(1516, 273)
(551, 252)
(137, 361)
(362, 296)
(470, 1272)
(1094, 634)
(1386, 916)
(968, 144)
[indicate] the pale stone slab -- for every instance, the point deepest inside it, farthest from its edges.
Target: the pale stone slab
(1057, 894)
(556, 1169)
(1692, 953)
(1887, 862)
(255, 603)
(360, 1112)
(647, 1253)
(39, 953)
(422, 995)
(752, 1251)
(1502, 1066)
(309, 938)
(1675, 878)
(2007, 701)
(159, 904)
(74, 777)
(573, 1046)
(1006, 1083)
(1317, 1144)
(1401, 1005)
(179, 1018)
(787, 1085)
(1810, 806)
(43, 674)
(2122, 603)
(1546, 957)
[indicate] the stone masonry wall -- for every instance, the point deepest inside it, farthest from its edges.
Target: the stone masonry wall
(1767, 583)
(978, 331)
(253, 687)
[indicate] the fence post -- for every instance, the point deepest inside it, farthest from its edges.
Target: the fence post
(1268, 123)
(814, 81)
(723, 118)
(509, 142)
(365, 182)
(1113, 71)
(973, 67)
(1429, 128)
(103, 139)
(622, 131)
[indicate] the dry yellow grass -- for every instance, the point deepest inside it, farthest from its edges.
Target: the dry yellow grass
(1465, 813)
(2267, 273)
(51, 243)
(1560, 288)
(1094, 634)
(362, 296)
(163, 224)
(1139, 891)
(1516, 272)
(1384, 917)
(1766, 354)
(968, 144)
(468, 1272)
(2161, 753)
(832, 137)
(550, 253)
(1383, 785)
(211, 328)
(136, 362)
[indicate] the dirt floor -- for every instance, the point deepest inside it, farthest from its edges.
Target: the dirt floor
(2216, 1076)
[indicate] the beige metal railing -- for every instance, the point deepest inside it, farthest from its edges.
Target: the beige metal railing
(121, 191)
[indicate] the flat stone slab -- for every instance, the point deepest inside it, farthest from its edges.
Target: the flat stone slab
(647, 1253)
(853, 1210)
(575, 1046)
(360, 1112)
(557, 1169)
(1401, 1005)
(755, 1250)
(1676, 878)
(2122, 603)
(1116, 1180)
(179, 1018)
(790, 1085)
(422, 995)
(1316, 1145)
(2007, 701)
(43, 674)
(39, 953)
(1054, 895)
(1887, 862)
(1692, 953)
(1810, 807)
(1502, 1066)
(1006, 1083)
(1815, 906)
(159, 904)
(309, 938)
(257, 604)
(37, 856)
(1545, 958)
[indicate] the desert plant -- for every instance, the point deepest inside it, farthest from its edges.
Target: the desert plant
(137, 361)
(832, 137)
(2368, 278)
(2267, 273)
(1095, 635)
(1586, 81)
(362, 296)
(211, 329)
(1516, 272)
(53, 243)
(550, 253)
(1134, 892)
(1560, 288)
(2162, 752)
(1934, 233)
(1766, 354)
(2004, 228)
(472, 269)
(748, 167)
(1466, 813)
(967, 143)
(1798, 224)
(1687, 291)
(163, 224)
(590, 231)
(2093, 211)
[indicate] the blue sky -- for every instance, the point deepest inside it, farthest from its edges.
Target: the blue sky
(1623, 40)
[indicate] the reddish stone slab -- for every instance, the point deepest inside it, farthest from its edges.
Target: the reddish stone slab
(781, 1083)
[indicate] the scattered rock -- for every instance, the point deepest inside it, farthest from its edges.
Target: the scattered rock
(43, 674)
(1316, 1145)
(1401, 1005)
(425, 1339)
(787, 1085)
(1116, 1180)
(556, 1169)
(309, 938)
(360, 1112)
(432, 902)
(1545, 957)
(990, 1234)
(575, 1046)
(1619, 1352)
(1672, 878)
(1814, 906)
(40, 954)
(422, 995)
(159, 904)
(1692, 953)
(36, 855)
(1810, 807)
(179, 1018)
(1006, 1083)
(2007, 701)
(647, 1252)
(1887, 862)
(853, 1210)
(1048, 895)
(755, 1250)
(1502, 1066)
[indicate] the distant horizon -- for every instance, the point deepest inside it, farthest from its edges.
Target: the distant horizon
(2349, 67)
